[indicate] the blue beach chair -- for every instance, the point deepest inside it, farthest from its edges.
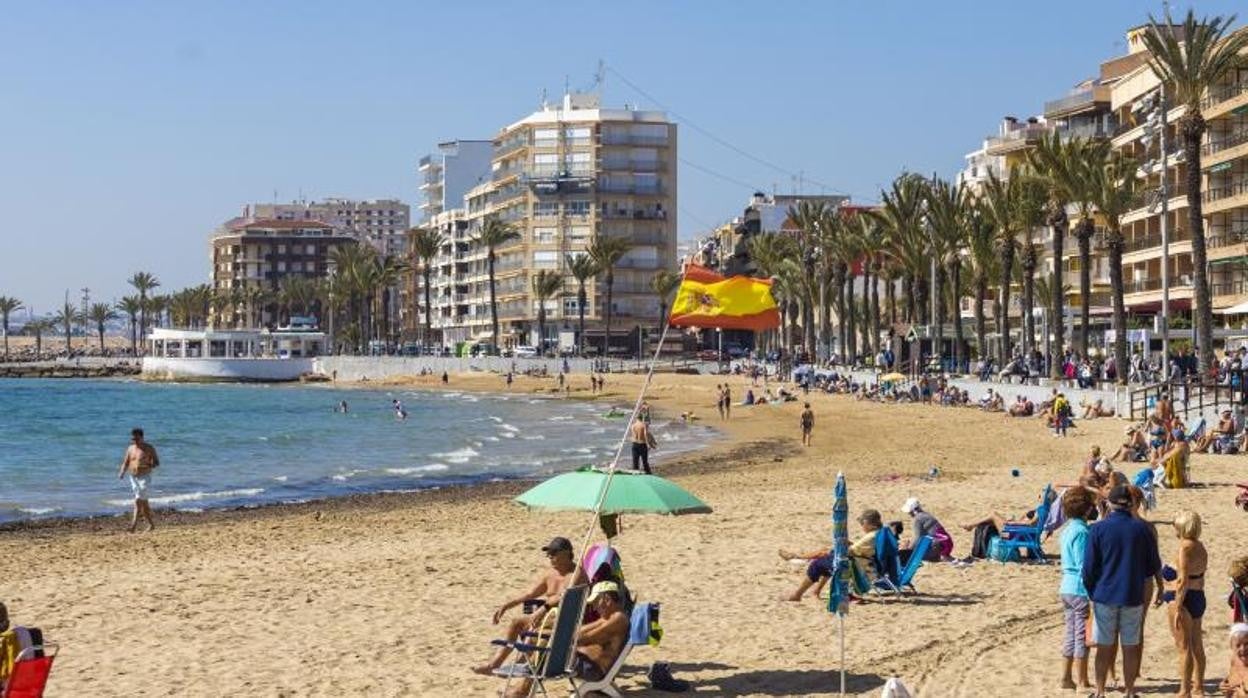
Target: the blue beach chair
(1028, 537)
(905, 576)
(887, 562)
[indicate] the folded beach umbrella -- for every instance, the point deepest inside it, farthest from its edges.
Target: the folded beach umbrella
(838, 594)
(629, 493)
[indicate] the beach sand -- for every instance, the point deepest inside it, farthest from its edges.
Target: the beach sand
(392, 595)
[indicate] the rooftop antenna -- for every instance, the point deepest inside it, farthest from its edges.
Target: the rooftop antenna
(600, 77)
(543, 98)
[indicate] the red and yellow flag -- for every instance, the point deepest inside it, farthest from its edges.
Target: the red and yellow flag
(706, 299)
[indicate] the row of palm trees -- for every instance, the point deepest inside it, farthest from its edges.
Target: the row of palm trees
(982, 243)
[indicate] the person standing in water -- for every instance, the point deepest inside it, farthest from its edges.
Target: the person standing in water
(643, 441)
(343, 408)
(399, 413)
(139, 462)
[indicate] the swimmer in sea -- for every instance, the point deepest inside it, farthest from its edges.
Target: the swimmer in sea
(399, 413)
(343, 408)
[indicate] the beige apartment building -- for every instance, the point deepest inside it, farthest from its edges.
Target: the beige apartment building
(561, 176)
(251, 255)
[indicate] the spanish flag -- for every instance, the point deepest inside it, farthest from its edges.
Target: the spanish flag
(706, 299)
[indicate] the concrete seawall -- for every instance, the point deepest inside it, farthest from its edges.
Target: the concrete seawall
(354, 368)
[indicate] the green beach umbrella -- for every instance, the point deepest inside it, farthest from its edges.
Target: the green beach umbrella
(630, 493)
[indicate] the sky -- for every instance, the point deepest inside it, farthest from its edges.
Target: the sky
(130, 130)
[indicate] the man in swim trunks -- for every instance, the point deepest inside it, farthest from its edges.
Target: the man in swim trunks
(546, 593)
(643, 441)
(808, 424)
(138, 462)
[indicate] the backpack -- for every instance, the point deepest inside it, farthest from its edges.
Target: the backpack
(980, 538)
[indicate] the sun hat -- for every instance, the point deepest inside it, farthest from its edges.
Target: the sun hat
(602, 588)
(1104, 467)
(1239, 629)
(911, 505)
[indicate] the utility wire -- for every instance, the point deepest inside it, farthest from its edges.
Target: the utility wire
(720, 175)
(715, 138)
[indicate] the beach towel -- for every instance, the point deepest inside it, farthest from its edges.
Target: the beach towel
(1238, 601)
(1175, 472)
(12, 642)
(1056, 516)
(1144, 481)
(644, 628)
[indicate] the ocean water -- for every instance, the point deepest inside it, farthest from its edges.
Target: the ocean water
(223, 445)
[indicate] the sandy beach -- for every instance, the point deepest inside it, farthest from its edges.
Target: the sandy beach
(392, 595)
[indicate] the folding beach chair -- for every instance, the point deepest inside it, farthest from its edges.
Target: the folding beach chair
(549, 656)
(639, 634)
(905, 576)
(30, 672)
(887, 562)
(1028, 537)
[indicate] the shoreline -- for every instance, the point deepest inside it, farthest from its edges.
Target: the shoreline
(494, 488)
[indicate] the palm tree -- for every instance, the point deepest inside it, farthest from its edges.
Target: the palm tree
(1030, 213)
(1113, 192)
(872, 239)
(1188, 63)
(143, 282)
(997, 202)
(582, 268)
(946, 213)
(424, 244)
(38, 327)
(351, 270)
(546, 283)
(981, 246)
(665, 283)
(816, 222)
(775, 256)
(101, 314)
(132, 306)
(606, 253)
(8, 306)
(390, 271)
(67, 317)
(494, 233)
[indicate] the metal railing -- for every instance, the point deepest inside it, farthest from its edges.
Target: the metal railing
(1222, 93)
(1231, 140)
(1154, 240)
(1218, 193)
(631, 139)
(1078, 99)
(1154, 284)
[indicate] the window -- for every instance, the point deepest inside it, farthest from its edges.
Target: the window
(545, 137)
(310, 249)
(281, 249)
(570, 306)
(578, 234)
(577, 208)
(578, 135)
(281, 266)
(544, 236)
(545, 260)
(546, 209)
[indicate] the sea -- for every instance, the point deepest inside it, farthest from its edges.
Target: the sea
(240, 445)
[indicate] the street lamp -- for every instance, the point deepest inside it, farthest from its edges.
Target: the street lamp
(1155, 127)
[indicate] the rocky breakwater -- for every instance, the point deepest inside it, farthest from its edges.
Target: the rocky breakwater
(68, 370)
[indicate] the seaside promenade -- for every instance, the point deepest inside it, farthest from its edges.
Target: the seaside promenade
(392, 595)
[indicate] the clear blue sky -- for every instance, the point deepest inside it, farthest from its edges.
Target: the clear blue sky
(129, 130)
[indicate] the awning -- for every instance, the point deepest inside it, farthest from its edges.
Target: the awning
(1234, 309)
(483, 335)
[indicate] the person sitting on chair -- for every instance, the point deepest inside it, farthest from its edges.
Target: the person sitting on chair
(546, 592)
(1223, 435)
(822, 563)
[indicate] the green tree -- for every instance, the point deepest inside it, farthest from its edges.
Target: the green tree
(132, 306)
(997, 203)
(37, 327)
(1113, 193)
(8, 306)
(982, 255)
(546, 283)
(101, 314)
(1189, 62)
(582, 268)
(494, 234)
(424, 244)
(143, 282)
(67, 317)
(665, 283)
(606, 253)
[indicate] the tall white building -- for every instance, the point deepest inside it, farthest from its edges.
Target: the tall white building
(447, 175)
(382, 223)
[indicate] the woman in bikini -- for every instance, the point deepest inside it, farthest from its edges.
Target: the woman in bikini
(1188, 607)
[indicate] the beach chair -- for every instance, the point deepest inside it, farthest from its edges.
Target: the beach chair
(1028, 537)
(30, 672)
(905, 575)
(639, 634)
(887, 562)
(549, 656)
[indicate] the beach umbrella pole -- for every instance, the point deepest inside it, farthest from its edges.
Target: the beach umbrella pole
(841, 618)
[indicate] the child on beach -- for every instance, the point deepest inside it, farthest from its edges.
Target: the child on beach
(808, 423)
(1236, 683)
(1078, 504)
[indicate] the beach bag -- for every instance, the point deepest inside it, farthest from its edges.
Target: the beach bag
(1000, 552)
(980, 537)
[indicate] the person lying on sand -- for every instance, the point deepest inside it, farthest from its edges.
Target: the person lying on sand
(822, 565)
(547, 592)
(1096, 409)
(599, 642)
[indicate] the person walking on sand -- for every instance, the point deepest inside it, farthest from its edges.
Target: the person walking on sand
(139, 462)
(719, 399)
(446, 378)
(1120, 554)
(643, 441)
(509, 380)
(808, 423)
(727, 401)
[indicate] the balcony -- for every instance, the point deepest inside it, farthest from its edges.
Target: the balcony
(1231, 140)
(1076, 102)
(1154, 240)
(608, 138)
(637, 215)
(1218, 193)
(1222, 94)
(555, 173)
(633, 165)
(1024, 136)
(1154, 284)
(630, 188)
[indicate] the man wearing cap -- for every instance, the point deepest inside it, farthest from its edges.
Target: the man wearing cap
(924, 524)
(1121, 553)
(545, 593)
(599, 642)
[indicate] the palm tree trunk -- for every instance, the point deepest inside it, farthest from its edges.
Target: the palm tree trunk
(1029, 303)
(1120, 315)
(875, 315)
(981, 333)
(865, 329)
(850, 334)
(1192, 126)
(890, 297)
(1003, 310)
(825, 318)
(580, 313)
(959, 338)
(939, 349)
(1058, 323)
(911, 318)
(606, 345)
(1085, 232)
(541, 327)
(494, 339)
(428, 306)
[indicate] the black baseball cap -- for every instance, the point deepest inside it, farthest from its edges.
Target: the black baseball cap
(557, 544)
(1120, 496)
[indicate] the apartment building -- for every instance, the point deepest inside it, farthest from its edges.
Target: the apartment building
(446, 175)
(382, 223)
(562, 176)
(1224, 162)
(256, 254)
